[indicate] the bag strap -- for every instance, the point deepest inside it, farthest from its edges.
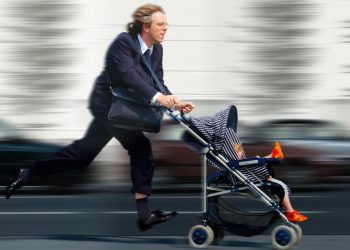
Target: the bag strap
(160, 86)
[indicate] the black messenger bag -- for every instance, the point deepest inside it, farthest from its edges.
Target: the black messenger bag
(131, 111)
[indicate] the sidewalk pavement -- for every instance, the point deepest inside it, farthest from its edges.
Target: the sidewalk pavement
(86, 242)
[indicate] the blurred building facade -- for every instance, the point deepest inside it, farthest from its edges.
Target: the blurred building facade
(270, 58)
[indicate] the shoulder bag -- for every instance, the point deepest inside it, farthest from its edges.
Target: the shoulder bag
(131, 111)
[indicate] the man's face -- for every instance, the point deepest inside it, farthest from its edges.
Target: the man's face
(158, 27)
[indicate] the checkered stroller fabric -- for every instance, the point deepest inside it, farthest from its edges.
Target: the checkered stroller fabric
(220, 130)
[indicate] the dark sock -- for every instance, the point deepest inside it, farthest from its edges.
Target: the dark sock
(25, 174)
(143, 210)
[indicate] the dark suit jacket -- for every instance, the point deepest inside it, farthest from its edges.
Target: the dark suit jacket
(125, 67)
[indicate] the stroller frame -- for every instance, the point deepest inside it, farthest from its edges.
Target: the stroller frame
(207, 148)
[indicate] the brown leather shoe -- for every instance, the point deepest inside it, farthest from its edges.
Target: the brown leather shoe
(156, 217)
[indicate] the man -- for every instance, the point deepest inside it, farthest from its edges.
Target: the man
(123, 66)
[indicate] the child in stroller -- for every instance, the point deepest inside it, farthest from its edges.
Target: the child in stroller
(291, 214)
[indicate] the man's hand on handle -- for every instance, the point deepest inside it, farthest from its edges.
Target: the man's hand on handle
(169, 101)
(185, 107)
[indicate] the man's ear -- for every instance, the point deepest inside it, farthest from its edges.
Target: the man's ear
(145, 27)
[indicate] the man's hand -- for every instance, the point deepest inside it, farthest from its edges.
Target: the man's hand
(167, 100)
(185, 107)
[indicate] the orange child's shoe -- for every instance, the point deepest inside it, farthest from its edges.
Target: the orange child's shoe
(295, 216)
(277, 151)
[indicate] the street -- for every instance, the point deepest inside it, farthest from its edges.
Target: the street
(105, 218)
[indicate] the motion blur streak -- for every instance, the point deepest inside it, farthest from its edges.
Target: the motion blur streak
(277, 61)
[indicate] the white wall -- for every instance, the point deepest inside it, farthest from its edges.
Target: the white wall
(209, 54)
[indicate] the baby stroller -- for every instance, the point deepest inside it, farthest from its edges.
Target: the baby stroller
(213, 137)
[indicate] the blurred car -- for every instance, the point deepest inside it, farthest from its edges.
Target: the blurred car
(17, 151)
(315, 151)
(175, 160)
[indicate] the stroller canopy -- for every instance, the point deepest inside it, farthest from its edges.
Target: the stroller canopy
(220, 131)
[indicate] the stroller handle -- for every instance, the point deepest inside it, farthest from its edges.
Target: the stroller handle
(182, 118)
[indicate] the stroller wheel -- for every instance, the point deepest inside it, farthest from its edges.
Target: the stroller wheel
(200, 236)
(283, 237)
(298, 230)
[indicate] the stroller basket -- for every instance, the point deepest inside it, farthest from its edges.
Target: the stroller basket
(224, 215)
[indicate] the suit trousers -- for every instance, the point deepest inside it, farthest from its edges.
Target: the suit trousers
(82, 152)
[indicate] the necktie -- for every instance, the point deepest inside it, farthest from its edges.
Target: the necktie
(148, 57)
(149, 61)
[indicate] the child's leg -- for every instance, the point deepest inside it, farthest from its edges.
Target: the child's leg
(292, 214)
(285, 201)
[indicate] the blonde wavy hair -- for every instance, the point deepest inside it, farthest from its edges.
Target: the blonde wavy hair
(141, 15)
